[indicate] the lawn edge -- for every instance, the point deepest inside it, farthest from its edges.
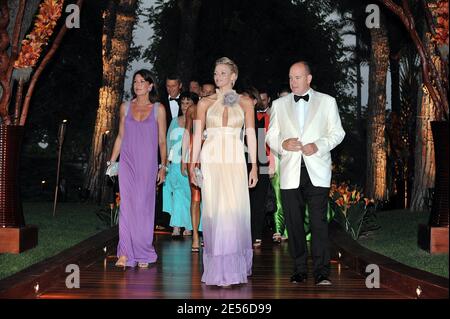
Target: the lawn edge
(22, 284)
(393, 274)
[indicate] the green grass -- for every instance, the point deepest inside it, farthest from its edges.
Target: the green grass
(73, 223)
(397, 238)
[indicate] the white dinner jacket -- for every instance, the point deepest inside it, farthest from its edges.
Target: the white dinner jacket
(322, 127)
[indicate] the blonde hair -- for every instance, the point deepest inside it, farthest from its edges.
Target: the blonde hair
(229, 63)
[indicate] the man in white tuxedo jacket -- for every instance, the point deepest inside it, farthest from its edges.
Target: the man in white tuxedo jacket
(304, 127)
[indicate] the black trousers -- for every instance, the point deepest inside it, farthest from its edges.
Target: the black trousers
(161, 218)
(258, 198)
(294, 203)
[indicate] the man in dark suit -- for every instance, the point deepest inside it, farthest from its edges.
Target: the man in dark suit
(172, 97)
(171, 103)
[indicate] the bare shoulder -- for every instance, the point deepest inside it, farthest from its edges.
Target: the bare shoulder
(206, 102)
(190, 111)
(161, 113)
(123, 105)
(123, 108)
(161, 109)
(245, 102)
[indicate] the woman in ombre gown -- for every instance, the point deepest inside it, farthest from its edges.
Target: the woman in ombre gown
(227, 253)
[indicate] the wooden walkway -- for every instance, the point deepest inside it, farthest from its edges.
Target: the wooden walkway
(177, 273)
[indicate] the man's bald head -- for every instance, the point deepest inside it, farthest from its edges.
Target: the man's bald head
(300, 77)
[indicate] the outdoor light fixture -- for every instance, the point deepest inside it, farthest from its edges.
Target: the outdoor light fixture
(339, 254)
(418, 291)
(61, 135)
(36, 288)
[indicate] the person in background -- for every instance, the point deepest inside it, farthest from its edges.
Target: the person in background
(186, 163)
(173, 110)
(207, 89)
(194, 86)
(176, 190)
(280, 231)
(258, 194)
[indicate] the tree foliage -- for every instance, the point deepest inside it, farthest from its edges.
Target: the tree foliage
(264, 37)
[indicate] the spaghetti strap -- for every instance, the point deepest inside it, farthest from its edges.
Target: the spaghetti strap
(155, 110)
(127, 107)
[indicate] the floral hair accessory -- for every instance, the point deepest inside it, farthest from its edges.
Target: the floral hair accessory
(230, 98)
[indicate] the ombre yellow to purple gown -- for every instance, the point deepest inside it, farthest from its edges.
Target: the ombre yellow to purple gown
(227, 253)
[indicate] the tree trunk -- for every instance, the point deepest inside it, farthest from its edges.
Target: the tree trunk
(119, 19)
(376, 120)
(424, 167)
(395, 130)
(394, 66)
(409, 84)
(358, 85)
(189, 10)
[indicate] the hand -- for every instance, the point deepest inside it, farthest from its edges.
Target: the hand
(309, 149)
(271, 171)
(161, 176)
(253, 177)
(184, 170)
(192, 175)
(292, 144)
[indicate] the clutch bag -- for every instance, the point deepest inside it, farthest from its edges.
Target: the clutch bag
(198, 177)
(113, 169)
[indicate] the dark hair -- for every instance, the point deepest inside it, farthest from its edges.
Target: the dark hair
(189, 95)
(174, 76)
(263, 90)
(253, 93)
(208, 82)
(148, 76)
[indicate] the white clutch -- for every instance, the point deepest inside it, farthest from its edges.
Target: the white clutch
(113, 169)
(198, 177)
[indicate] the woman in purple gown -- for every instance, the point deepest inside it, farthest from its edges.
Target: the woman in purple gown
(142, 129)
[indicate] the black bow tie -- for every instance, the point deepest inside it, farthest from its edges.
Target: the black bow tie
(173, 99)
(298, 97)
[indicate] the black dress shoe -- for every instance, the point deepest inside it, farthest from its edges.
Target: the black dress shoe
(298, 278)
(322, 280)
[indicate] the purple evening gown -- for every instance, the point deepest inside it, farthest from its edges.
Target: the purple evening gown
(138, 171)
